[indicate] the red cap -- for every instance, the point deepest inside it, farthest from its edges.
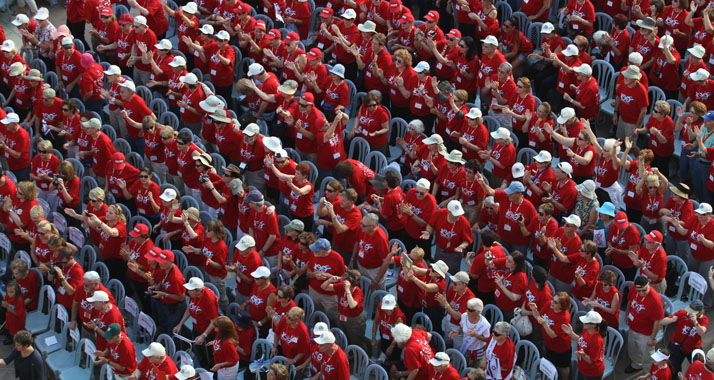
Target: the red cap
(139, 229)
(105, 12)
(454, 33)
(165, 256)
(395, 3)
(654, 237)
(407, 17)
(242, 8)
(118, 160)
(153, 253)
(433, 15)
(126, 19)
(308, 97)
(327, 12)
(621, 220)
(314, 54)
(260, 24)
(292, 36)
(273, 33)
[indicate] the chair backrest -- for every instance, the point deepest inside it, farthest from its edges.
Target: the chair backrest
(401, 126)
(213, 288)
(677, 265)
(145, 93)
(619, 276)
(437, 342)
(305, 302)
(169, 118)
(528, 357)
(573, 306)
(376, 161)
(192, 271)
(103, 271)
(514, 334)
(110, 132)
(526, 155)
(158, 106)
(145, 329)
(522, 20)
(138, 219)
(373, 302)
(457, 359)
(422, 319)
(317, 316)
(533, 33)
(655, 94)
(188, 201)
(87, 256)
(375, 372)
(180, 260)
(122, 145)
(294, 154)
(408, 184)
(168, 343)
(218, 162)
(492, 313)
(547, 369)
(135, 160)
(358, 359)
(504, 11)
(130, 311)
(52, 79)
(603, 21)
(340, 337)
(359, 149)
(182, 358)
(603, 72)
(673, 104)
(693, 286)
(613, 344)
(352, 94)
(117, 289)
(82, 358)
(261, 349)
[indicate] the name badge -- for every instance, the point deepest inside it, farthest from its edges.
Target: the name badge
(196, 53)
(417, 106)
(299, 135)
(561, 84)
(576, 26)
(507, 227)
(609, 3)
(439, 65)
(336, 155)
(693, 246)
(213, 72)
(153, 158)
(631, 194)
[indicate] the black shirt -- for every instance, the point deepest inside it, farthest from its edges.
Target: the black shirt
(29, 368)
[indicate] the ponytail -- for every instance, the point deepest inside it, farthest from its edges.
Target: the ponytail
(602, 328)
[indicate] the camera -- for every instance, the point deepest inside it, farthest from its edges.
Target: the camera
(203, 178)
(150, 292)
(57, 265)
(431, 33)
(489, 256)
(59, 176)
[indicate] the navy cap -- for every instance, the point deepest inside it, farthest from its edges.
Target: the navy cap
(709, 116)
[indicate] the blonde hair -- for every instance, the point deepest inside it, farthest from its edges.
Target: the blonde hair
(663, 106)
(167, 131)
(418, 252)
(28, 189)
(119, 212)
(97, 193)
(404, 55)
(45, 226)
(44, 145)
(37, 211)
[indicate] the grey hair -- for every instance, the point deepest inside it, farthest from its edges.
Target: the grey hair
(507, 66)
(503, 328)
(417, 124)
(372, 218)
(377, 94)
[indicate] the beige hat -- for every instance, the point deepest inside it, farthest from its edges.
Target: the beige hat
(288, 87)
(697, 51)
(193, 214)
(454, 156)
(204, 158)
(632, 72)
(647, 23)
(16, 69)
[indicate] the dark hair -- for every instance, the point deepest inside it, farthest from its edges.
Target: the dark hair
(473, 165)
(540, 276)
(620, 21)
(489, 237)
(146, 170)
(514, 20)
(303, 168)
(471, 47)
(64, 253)
(350, 194)
(185, 137)
(71, 104)
(87, 115)
(392, 178)
(602, 328)
(520, 261)
(343, 169)
(23, 338)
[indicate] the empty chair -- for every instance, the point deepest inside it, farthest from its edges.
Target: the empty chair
(103, 271)
(261, 349)
(358, 359)
(676, 264)
(83, 365)
(317, 316)
(376, 161)
(613, 345)
(145, 333)
(38, 321)
(158, 106)
(145, 93)
(692, 287)
(422, 319)
(188, 201)
(168, 343)
(169, 118)
(493, 314)
(340, 337)
(55, 337)
(306, 303)
(135, 160)
(63, 358)
(359, 149)
(122, 145)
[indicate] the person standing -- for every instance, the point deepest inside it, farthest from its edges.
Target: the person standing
(28, 362)
(643, 316)
(591, 345)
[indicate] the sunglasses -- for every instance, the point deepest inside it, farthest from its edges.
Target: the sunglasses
(328, 190)
(143, 176)
(366, 225)
(541, 213)
(45, 151)
(181, 143)
(166, 137)
(303, 104)
(651, 187)
(420, 192)
(94, 200)
(65, 109)
(471, 310)
(497, 334)
(399, 60)
(303, 243)
(371, 105)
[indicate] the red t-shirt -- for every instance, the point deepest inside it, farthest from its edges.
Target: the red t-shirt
(663, 74)
(30, 290)
(246, 265)
(372, 249)
(594, 346)
(141, 197)
(515, 282)
(351, 218)
(589, 271)
(685, 333)
(422, 208)
(698, 371)
(40, 166)
(606, 299)
(632, 100)
(371, 120)
(136, 109)
(506, 156)
(417, 354)
(450, 235)
(343, 305)
(387, 321)
(74, 276)
(623, 239)
(695, 228)
(224, 351)
(217, 252)
(666, 128)
(258, 301)
(264, 226)
(486, 275)
(129, 174)
(110, 246)
(333, 263)
(449, 181)
(643, 311)
(561, 342)
(293, 341)
(504, 353)
(69, 66)
(124, 354)
(508, 220)
(569, 246)
(148, 38)
(588, 94)
(407, 291)
(566, 193)
(18, 141)
(391, 209)
(102, 151)
(172, 283)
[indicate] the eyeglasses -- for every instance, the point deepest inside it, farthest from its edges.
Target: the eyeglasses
(659, 112)
(143, 176)
(328, 190)
(652, 187)
(462, 46)
(497, 334)
(372, 105)
(282, 295)
(420, 192)
(181, 143)
(94, 200)
(166, 137)
(303, 243)
(540, 213)
(303, 104)
(65, 109)
(366, 225)
(398, 60)
(471, 310)
(45, 151)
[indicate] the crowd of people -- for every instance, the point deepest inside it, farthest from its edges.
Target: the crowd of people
(462, 175)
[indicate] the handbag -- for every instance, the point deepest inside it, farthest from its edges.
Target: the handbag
(522, 323)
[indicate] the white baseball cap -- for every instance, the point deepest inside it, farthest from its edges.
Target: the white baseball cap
(273, 144)
(701, 74)
(245, 242)
(440, 267)
(140, 20)
(10, 118)
(207, 29)
(255, 69)
(128, 84)
(704, 208)
(433, 139)
(474, 113)
(573, 219)
(566, 114)
(223, 35)
(187, 372)
(349, 14)
(194, 283)
(20, 19)
(441, 358)
(591, 317)
(178, 61)
(164, 45)
(8, 46)
(501, 133)
(320, 328)
(584, 69)
(571, 51)
(261, 272)
(421, 67)
(388, 302)
(635, 58)
(99, 296)
(423, 183)
(659, 356)
(154, 349)
(547, 28)
(189, 78)
(543, 156)
(566, 168)
(168, 195)
(518, 170)
(211, 104)
(113, 70)
(491, 40)
(327, 337)
(190, 8)
(455, 208)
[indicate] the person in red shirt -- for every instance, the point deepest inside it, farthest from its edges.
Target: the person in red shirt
(372, 123)
(168, 294)
(631, 103)
(145, 194)
(225, 353)
(418, 208)
(623, 238)
(370, 249)
(677, 207)
(291, 338)
(514, 209)
(643, 315)
(356, 174)
(245, 261)
(700, 229)
(263, 225)
(333, 364)
(386, 316)
(660, 128)
(448, 183)
(156, 363)
(193, 93)
(401, 72)
(502, 155)
(587, 93)
(417, 353)
(511, 281)
(262, 296)
(44, 169)
(15, 313)
(135, 110)
(67, 278)
(556, 339)
(491, 60)
(690, 326)
(591, 344)
(15, 144)
(350, 299)
(48, 114)
(452, 234)
(120, 354)
(221, 58)
(344, 219)
(144, 40)
(323, 263)
(203, 308)
(500, 353)
(112, 234)
(665, 70)
(91, 83)
(27, 281)
(68, 67)
(104, 314)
